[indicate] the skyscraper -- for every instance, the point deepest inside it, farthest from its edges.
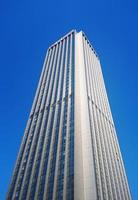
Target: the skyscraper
(70, 149)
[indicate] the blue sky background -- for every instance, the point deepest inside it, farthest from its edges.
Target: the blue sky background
(28, 27)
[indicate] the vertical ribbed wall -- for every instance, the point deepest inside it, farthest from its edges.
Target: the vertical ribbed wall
(111, 182)
(45, 164)
(70, 148)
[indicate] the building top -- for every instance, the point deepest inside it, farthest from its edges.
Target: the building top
(74, 31)
(84, 35)
(62, 38)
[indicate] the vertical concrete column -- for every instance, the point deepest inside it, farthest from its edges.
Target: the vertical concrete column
(84, 175)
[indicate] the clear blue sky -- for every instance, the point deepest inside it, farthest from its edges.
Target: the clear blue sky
(28, 27)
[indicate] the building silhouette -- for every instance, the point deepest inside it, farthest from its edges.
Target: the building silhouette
(70, 148)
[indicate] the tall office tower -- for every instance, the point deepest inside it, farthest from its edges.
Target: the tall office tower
(70, 148)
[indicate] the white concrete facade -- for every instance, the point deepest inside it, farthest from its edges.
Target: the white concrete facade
(70, 149)
(84, 177)
(99, 170)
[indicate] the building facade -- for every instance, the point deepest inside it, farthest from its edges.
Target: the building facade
(70, 149)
